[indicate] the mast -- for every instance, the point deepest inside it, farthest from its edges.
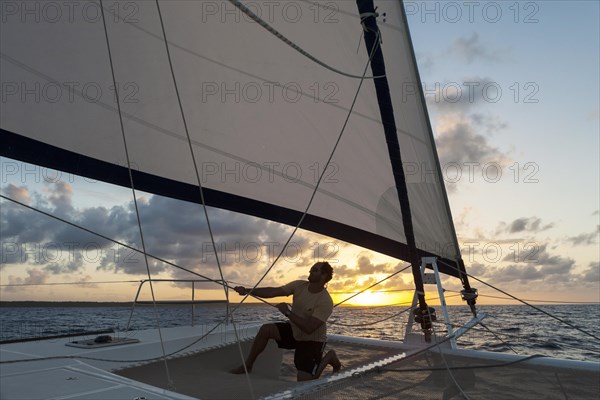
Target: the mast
(368, 16)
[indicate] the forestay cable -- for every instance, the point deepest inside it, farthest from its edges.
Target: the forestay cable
(114, 80)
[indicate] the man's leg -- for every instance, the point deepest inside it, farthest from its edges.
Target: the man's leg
(308, 360)
(304, 376)
(266, 332)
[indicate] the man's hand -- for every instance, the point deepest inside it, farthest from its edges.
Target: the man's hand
(242, 291)
(284, 308)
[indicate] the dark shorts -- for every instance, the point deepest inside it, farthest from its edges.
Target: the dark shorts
(308, 354)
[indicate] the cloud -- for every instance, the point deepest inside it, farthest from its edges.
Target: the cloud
(366, 267)
(365, 273)
(34, 277)
(592, 273)
(461, 148)
(19, 193)
(532, 264)
(524, 224)
(585, 239)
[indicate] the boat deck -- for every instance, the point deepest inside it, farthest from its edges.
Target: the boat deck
(206, 374)
(199, 369)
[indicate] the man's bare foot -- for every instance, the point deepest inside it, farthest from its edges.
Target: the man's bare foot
(334, 361)
(330, 358)
(240, 370)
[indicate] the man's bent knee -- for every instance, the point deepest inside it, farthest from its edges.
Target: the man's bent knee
(302, 376)
(269, 331)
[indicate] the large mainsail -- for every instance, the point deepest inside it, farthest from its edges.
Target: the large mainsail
(263, 119)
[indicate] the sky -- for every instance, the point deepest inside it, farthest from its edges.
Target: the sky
(513, 95)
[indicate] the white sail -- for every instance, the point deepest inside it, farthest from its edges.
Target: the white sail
(263, 118)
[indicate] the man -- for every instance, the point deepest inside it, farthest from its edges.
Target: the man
(306, 331)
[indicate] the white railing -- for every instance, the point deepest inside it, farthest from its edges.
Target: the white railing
(192, 302)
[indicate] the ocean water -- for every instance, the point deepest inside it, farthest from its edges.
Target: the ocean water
(512, 329)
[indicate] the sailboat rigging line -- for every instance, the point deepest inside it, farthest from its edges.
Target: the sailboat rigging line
(375, 284)
(204, 208)
(239, 346)
(528, 304)
(316, 188)
(189, 141)
(137, 212)
(294, 46)
(193, 156)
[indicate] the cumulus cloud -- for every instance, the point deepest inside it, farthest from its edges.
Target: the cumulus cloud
(585, 239)
(459, 144)
(524, 225)
(365, 266)
(364, 273)
(533, 264)
(34, 277)
(19, 193)
(592, 273)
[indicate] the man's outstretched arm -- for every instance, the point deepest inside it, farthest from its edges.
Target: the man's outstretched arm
(265, 292)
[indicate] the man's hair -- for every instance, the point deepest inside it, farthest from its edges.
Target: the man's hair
(327, 270)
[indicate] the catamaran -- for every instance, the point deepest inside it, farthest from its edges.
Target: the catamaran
(207, 76)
